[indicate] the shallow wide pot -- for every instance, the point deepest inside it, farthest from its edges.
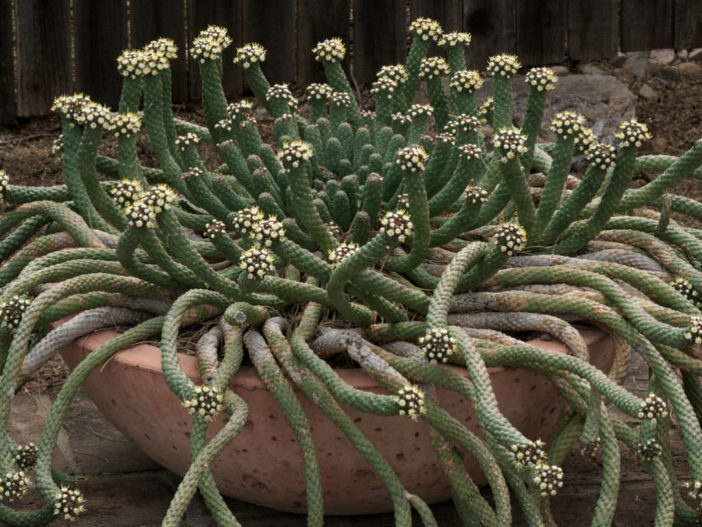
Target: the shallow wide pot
(263, 464)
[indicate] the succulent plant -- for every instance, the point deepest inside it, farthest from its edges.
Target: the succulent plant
(339, 224)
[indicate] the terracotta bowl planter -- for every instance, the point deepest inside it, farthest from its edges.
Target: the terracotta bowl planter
(263, 464)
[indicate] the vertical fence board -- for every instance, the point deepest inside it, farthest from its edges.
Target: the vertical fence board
(541, 31)
(379, 36)
(100, 36)
(492, 24)
(593, 29)
(687, 24)
(8, 106)
(152, 19)
(646, 24)
(318, 20)
(43, 54)
(448, 13)
(225, 13)
(271, 23)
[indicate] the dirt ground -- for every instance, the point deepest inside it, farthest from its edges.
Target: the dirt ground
(675, 120)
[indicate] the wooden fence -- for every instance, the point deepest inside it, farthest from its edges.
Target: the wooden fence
(49, 47)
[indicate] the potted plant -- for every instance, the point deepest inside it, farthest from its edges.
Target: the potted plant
(401, 239)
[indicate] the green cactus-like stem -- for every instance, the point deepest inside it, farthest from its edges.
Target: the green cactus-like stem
(459, 223)
(463, 175)
(502, 94)
(533, 115)
(168, 120)
(437, 96)
(572, 206)
(258, 83)
(130, 94)
(419, 212)
(612, 194)
(552, 193)
(383, 110)
(337, 79)
(418, 51)
(514, 179)
(435, 174)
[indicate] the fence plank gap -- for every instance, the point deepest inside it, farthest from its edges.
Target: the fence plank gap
(152, 19)
(318, 20)
(44, 68)
(379, 36)
(646, 24)
(100, 36)
(541, 32)
(8, 104)
(492, 23)
(593, 29)
(225, 13)
(272, 24)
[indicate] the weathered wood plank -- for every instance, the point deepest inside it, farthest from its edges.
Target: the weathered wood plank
(318, 20)
(541, 31)
(687, 24)
(225, 13)
(593, 29)
(8, 104)
(492, 24)
(271, 23)
(43, 54)
(379, 36)
(100, 36)
(449, 13)
(152, 19)
(646, 24)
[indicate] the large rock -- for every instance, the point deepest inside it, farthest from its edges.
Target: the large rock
(602, 99)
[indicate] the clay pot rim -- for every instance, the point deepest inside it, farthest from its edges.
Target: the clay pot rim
(147, 357)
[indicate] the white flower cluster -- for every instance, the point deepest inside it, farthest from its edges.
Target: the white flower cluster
(426, 29)
(445, 138)
(454, 38)
(266, 231)
(214, 228)
(685, 288)
(256, 263)
(510, 238)
(411, 400)
(485, 110)
(4, 182)
(13, 485)
(56, 150)
(339, 98)
(632, 133)
(68, 503)
(601, 155)
(186, 140)
(694, 332)
(341, 252)
(431, 67)
(250, 54)
(549, 478)
(12, 310)
(411, 158)
(652, 407)
(140, 215)
(80, 109)
(529, 454)
(330, 50)
(475, 195)
(159, 197)
(468, 152)
(396, 224)
(126, 192)
(694, 490)
(210, 44)
(163, 46)
(648, 450)
(400, 119)
(462, 124)
(238, 111)
(207, 402)
(420, 110)
(293, 153)
(136, 63)
(567, 123)
(466, 81)
(126, 124)
(437, 345)
(244, 219)
(396, 72)
(319, 91)
(26, 455)
(541, 78)
(584, 139)
(504, 65)
(511, 143)
(384, 87)
(281, 92)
